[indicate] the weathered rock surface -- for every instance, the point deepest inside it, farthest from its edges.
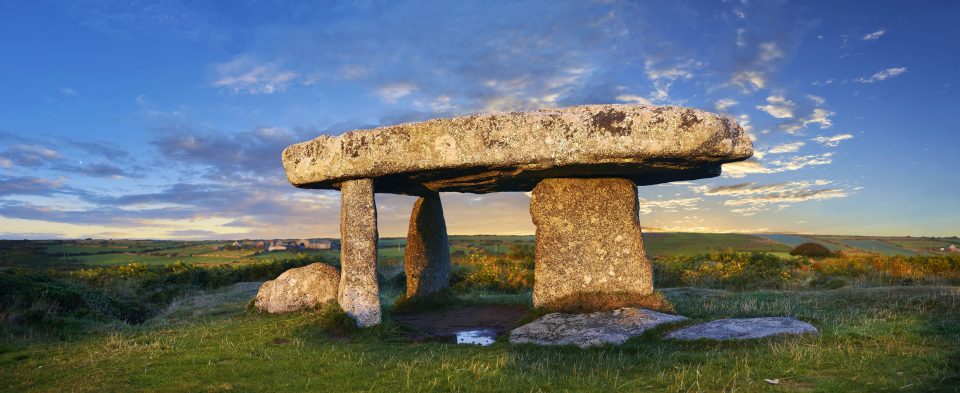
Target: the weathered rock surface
(359, 293)
(587, 330)
(514, 151)
(588, 241)
(426, 260)
(299, 288)
(744, 329)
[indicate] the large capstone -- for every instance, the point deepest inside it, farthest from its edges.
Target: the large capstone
(299, 288)
(515, 151)
(589, 246)
(426, 260)
(359, 293)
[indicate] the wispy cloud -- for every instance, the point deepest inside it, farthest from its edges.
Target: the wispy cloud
(832, 141)
(633, 99)
(395, 91)
(875, 35)
(751, 198)
(883, 75)
(754, 166)
(647, 206)
(786, 148)
(778, 107)
(244, 75)
(724, 104)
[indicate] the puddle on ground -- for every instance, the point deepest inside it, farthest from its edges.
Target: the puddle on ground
(482, 337)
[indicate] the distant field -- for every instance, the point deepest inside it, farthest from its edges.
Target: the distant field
(698, 243)
(78, 253)
(879, 247)
(795, 240)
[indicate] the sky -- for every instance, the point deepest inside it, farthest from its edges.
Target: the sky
(166, 119)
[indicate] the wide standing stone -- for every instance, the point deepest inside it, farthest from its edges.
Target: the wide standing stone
(587, 330)
(427, 257)
(299, 288)
(359, 293)
(588, 243)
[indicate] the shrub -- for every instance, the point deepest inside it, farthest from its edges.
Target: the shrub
(481, 271)
(724, 270)
(811, 250)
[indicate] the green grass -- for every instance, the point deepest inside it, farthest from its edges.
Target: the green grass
(897, 339)
(664, 244)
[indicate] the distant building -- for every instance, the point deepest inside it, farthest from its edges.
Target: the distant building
(237, 244)
(951, 248)
(277, 247)
(308, 244)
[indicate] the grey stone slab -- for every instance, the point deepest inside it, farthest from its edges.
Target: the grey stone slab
(593, 329)
(744, 329)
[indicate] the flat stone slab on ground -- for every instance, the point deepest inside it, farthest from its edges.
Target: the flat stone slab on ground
(514, 151)
(744, 329)
(593, 329)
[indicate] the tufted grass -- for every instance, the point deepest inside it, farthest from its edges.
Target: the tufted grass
(873, 339)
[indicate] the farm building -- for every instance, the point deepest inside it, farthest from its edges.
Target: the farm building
(309, 244)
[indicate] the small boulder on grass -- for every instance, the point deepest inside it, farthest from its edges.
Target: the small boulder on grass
(299, 289)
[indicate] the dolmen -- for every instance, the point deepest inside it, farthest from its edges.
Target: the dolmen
(583, 165)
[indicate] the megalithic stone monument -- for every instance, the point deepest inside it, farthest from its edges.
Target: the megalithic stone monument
(570, 157)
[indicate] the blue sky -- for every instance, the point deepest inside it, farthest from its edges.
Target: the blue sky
(137, 119)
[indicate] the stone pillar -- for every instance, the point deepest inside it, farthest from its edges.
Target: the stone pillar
(426, 261)
(359, 293)
(589, 248)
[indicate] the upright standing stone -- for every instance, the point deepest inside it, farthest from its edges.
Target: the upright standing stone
(427, 257)
(359, 293)
(589, 245)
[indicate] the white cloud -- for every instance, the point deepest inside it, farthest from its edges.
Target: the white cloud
(819, 116)
(633, 99)
(832, 141)
(875, 35)
(69, 92)
(753, 166)
(817, 100)
(742, 168)
(5, 163)
(243, 75)
(393, 92)
(778, 106)
(749, 80)
(671, 72)
(751, 198)
(723, 104)
(786, 148)
(769, 51)
(800, 162)
(669, 205)
(883, 75)
(823, 82)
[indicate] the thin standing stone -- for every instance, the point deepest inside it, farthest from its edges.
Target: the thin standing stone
(359, 292)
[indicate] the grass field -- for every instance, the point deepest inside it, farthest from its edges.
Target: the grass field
(78, 253)
(188, 328)
(878, 339)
